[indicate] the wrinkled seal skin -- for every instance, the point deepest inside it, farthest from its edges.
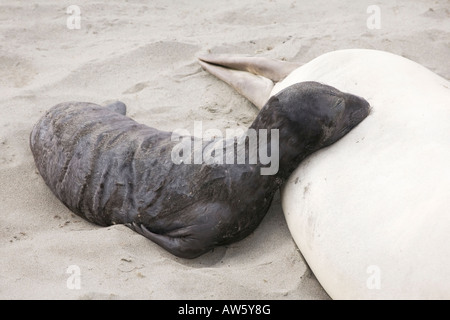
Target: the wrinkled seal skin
(109, 169)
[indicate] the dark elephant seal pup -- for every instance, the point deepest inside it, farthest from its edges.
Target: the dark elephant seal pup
(110, 169)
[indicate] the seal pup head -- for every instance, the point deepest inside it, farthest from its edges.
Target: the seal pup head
(309, 116)
(314, 105)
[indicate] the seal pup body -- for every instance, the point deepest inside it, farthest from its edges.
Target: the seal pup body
(109, 169)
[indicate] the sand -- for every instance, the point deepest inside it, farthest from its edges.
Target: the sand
(144, 54)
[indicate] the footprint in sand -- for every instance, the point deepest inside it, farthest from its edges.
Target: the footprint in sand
(15, 72)
(136, 88)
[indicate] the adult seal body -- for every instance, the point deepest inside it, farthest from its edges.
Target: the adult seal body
(110, 169)
(384, 225)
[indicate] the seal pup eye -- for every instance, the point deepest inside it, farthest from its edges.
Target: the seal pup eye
(339, 104)
(338, 110)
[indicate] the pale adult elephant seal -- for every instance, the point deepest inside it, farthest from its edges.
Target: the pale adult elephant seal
(371, 214)
(109, 169)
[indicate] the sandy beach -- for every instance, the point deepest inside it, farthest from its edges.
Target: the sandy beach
(144, 54)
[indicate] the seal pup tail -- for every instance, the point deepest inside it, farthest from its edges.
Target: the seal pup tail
(118, 107)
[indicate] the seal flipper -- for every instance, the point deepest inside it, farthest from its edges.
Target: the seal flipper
(253, 87)
(118, 107)
(275, 70)
(180, 243)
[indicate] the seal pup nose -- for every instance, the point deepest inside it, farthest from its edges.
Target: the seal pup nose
(359, 108)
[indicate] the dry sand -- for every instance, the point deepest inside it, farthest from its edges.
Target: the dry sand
(143, 53)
